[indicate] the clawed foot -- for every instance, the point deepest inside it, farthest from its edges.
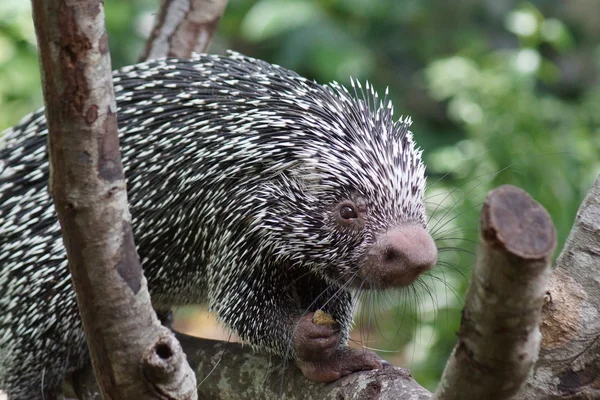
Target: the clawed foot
(344, 362)
(320, 357)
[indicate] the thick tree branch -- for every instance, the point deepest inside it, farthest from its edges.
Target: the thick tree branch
(230, 371)
(499, 336)
(89, 192)
(569, 363)
(183, 27)
(227, 371)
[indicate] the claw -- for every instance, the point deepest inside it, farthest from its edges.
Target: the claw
(344, 362)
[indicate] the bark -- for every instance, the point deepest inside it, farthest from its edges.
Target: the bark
(229, 371)
(133, 355)
(569, 362)
(183, 27)
(499, 337)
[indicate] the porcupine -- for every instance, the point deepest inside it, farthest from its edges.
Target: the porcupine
(260, 192)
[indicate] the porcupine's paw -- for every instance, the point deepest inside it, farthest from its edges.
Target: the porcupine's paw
(314, 342)
(343, 362)
(318, 351)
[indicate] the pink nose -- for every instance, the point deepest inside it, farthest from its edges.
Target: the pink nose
(399, 257)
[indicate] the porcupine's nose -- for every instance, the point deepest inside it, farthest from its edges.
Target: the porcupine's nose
(399, 256)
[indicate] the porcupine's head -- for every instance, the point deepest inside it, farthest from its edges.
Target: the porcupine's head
(352, 207)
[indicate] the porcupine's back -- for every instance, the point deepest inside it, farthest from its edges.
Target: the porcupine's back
(203, 113)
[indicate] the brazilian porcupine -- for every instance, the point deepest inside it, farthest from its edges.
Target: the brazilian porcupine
(265, 194)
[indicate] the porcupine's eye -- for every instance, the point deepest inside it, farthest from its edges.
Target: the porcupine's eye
(351, 214)
(348, 212)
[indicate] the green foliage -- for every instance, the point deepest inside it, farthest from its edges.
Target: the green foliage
(513, 125)
(498, 94)
(20, 90)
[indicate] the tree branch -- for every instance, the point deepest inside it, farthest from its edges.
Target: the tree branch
(569, 363)
(499, 336)
(89, 192)
(228, 370)
(183, 27)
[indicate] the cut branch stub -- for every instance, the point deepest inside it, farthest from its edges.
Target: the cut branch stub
(499, 336)
(513, 220)
(160, 366)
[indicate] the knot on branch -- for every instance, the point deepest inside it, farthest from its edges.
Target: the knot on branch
(165, 369)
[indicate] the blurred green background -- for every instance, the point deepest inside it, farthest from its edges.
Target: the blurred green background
(500, 91)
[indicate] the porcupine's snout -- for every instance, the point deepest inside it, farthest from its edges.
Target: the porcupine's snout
(398, 257)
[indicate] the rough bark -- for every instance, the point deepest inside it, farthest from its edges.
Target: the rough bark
(230, 371)
(133, 355)
(568, 366)
(499, 336)
(183, 27)
(227, 371)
